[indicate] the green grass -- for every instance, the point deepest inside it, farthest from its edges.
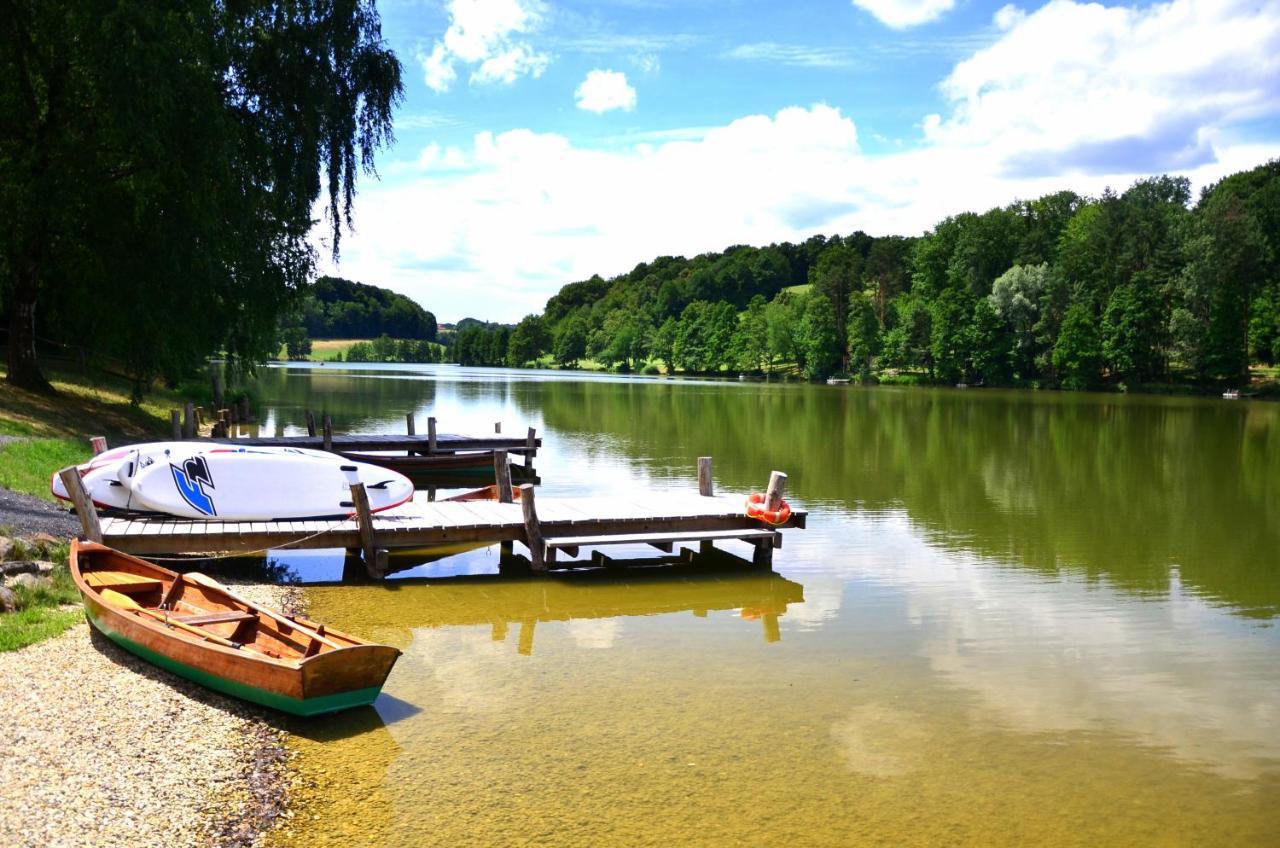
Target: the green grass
(26, 466)
(41, 612)
(803, 288)
(35, 624)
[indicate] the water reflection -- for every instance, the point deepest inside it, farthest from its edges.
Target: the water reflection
(590, 602)
(1025, 619)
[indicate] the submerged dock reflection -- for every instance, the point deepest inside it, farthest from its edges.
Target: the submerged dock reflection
(391, 611)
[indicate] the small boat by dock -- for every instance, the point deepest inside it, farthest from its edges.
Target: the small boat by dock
(839, 381)
(415, 466)
(192, 626)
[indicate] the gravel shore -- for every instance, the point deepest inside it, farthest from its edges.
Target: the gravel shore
(101, 748)
(27, 515)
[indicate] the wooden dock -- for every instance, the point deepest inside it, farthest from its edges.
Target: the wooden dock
(444, 443)
(549, 528)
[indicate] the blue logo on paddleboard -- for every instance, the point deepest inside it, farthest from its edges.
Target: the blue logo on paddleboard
(191, 479)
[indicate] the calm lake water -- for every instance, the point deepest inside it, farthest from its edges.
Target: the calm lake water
(1015, 619)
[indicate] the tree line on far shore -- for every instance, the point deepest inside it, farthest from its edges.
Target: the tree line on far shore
(1134, 287)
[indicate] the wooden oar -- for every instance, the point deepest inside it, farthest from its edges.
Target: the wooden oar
(125, 602)
(208, 582)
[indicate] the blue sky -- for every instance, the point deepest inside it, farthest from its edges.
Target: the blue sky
(541, 141)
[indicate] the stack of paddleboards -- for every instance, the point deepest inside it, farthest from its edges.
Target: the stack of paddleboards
(220, 482)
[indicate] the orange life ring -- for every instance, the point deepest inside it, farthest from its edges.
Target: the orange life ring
(755, 509)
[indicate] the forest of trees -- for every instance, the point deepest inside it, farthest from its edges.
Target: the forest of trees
(334, 308)
(1137, 287)
(160, 166)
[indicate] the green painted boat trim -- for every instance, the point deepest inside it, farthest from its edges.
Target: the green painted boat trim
(295, 706)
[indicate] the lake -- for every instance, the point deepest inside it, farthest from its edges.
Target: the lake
(1016, 618)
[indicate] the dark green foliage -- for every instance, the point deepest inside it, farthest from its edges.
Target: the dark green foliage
(990, 345)
(164, 159)
(1132, 333)
(1077, 356)
(817, 334)
(334, 308)
(529, 340)
(949, 339)
(864, 333)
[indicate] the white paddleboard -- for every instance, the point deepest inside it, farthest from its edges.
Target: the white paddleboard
(223, 482)
(101, 474)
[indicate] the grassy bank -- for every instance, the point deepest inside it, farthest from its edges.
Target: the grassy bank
(42, 611)
(55, 429)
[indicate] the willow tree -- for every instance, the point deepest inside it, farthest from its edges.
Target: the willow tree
(160, 161)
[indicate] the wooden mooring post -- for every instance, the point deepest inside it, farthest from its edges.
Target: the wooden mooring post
(532, 529)
(375, 558)
(175, 424)
(705, 487)
(772, 500)
(97, 444)
(431, 435)
(189, 421)
(84, 506)
(502, 476)
(530, 447)
(410, 426)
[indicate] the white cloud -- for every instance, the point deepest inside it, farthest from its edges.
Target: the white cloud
(602, 91)
(798, 55)
(906, 13)
(485, 34)
(1087, 87)
(1071, 96)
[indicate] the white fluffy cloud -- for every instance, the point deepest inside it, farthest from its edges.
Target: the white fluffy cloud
(906, 13)
(485, 34)
(1071, 96)
(603, 91)
(1076, 87)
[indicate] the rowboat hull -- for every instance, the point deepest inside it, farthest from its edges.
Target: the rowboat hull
(348, 676)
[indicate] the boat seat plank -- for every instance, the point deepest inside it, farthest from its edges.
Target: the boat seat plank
(215, 617)
(121, 581)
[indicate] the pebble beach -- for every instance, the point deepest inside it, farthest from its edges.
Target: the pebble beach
(101, 748)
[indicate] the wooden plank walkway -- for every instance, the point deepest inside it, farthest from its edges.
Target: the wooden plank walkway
(422, 523)
(445, 442)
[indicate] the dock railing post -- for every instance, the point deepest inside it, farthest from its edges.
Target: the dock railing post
(70, 477)
(410, 425)
(175, 424)
(431, 435)
(328, 433)
(772, 500)
(311, 422)
(502, 476)
(530, 448)
(97, 444)
(532, 529)
(374, 559)
(705, 487)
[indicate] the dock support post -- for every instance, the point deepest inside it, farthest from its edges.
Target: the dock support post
(311, 422)
(524, 644)
(705, 487)
(328, 433)
(497, 426)
(175, 424)
(529, 448)
(97, 444)
(777, 488)
(532, 529)
(189, 421)
(431, 435)
(410, 425)
(375, 558)
(84, 507)
(502, 476)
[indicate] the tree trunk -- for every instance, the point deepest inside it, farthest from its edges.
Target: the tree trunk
(24, 368)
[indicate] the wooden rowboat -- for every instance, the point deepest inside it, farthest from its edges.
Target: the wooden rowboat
(193, 626)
